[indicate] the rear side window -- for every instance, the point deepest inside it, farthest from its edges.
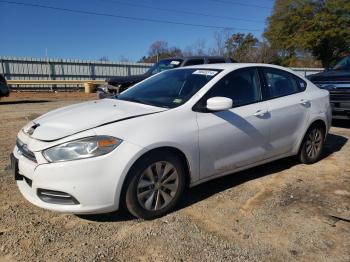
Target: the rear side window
(216, 61)
(242, 86)
(194, 62)
(301, 83)
(281, 83)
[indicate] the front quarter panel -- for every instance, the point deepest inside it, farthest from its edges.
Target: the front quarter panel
(175, 128)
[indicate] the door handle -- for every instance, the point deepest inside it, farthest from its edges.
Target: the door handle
(304, 102)
(260, 113)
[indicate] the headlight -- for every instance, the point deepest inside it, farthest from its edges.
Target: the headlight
(82, 148)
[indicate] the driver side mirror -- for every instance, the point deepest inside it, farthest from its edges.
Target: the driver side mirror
(219, 103)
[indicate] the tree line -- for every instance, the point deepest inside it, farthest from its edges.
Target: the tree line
(298, 33)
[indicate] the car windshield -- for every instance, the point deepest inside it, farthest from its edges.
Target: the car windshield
(343, 64)
(164, 65)
(169, 89)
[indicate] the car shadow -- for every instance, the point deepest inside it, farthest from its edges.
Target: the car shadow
(203, 191)
(23, 102)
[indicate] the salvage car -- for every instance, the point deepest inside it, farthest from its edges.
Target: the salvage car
(118, 84)
(4, 89)
(174, 130)
(337, 82)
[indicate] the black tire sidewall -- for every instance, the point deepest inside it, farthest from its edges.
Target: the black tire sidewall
(131, 201)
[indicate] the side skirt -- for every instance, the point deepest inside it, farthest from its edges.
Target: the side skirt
(200, 181)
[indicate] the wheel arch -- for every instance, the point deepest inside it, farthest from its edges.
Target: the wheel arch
(315, 122)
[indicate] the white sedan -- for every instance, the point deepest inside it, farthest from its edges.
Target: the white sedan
(174, 130)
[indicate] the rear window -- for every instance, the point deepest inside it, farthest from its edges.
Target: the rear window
(194, 62)
(216, 61)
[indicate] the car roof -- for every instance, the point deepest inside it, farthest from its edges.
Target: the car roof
(194, 57)
(233, 66)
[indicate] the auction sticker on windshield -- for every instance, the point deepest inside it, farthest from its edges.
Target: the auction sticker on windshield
(205, 72)
(175, 62)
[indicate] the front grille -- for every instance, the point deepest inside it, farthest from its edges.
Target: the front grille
(339, 96)
(56, 197)
(23, 150)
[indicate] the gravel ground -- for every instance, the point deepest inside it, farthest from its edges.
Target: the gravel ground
(280, 211)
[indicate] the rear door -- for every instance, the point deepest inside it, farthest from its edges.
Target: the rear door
(288, 104)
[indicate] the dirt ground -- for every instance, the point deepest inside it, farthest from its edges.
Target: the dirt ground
(282, 211)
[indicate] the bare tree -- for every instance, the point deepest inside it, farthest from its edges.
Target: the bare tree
(157, 48)
(123, 59)
(265, 53)
(199, 47)
(104, 59)
(220, 38)
(188, 51)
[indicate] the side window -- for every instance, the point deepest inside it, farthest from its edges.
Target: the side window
(280, 83)
(301, 83)
(216, 61)
(194, 62)
(242, 86)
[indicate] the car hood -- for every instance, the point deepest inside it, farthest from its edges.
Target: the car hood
(332, 75)
(121, 80)
(73, 119)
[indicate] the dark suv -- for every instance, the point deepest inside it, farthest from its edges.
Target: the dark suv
(4, 89)
(120, 83)
(337, 82)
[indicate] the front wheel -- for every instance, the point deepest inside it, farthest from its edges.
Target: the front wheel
(312, 145)
(155, 186)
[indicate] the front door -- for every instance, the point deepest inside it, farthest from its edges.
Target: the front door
(237, 137)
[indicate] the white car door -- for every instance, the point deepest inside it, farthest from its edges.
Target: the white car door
(288, 105)
(237, 137)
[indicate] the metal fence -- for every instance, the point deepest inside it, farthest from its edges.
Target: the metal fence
(306, 71)
(66, 69)
(17, 68)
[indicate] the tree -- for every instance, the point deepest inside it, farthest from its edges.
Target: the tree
(241, 46)
(124, 59)
(157, 48)
(321, 28)
(103, 59)
(199, 47)
(160, 50)
(264, 53)
(220, 38)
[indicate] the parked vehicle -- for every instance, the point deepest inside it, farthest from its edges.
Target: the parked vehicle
(118, 84)
(4, 89)
(337, 82)
(176, 129)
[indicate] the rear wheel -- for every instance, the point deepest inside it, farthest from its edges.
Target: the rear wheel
(312, 145)
(155, 185)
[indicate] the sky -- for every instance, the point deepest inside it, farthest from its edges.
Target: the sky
(29, 31)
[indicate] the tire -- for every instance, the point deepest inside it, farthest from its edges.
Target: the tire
(312, 145)
(155, 185)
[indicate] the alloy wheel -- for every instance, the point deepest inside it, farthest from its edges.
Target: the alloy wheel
(157, 185)
(314, 143)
